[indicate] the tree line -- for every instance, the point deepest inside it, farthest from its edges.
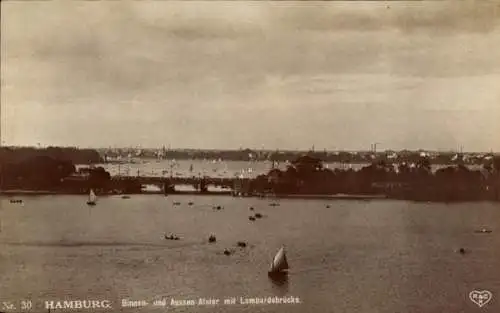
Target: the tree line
(53, 169)
(413, 181)
(11, 155)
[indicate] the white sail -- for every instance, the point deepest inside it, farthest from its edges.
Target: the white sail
(92, 196)
(280, 262)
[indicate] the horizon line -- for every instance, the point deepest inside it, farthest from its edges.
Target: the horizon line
(248, 148)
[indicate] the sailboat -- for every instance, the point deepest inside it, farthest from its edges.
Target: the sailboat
(92, 198)
(279, 266)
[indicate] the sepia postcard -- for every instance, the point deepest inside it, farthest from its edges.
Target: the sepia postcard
(250, 156)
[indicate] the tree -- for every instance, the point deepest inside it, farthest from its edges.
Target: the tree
(99, 178)
(39, 172)
(306, 165)
(424, 164)
(496, 163)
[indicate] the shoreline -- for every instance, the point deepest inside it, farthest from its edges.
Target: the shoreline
(363, 197)
(19, 192)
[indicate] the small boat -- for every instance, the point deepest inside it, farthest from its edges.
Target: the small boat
(212, 238)
(279, 266)
(92, 198)
(171, 237)
(483, 231)
(125, 197)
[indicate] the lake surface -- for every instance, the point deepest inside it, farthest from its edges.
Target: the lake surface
(212, 168)
(356, 256)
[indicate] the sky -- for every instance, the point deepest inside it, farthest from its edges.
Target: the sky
(251, 74)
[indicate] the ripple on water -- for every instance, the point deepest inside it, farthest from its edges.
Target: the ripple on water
(377, 252)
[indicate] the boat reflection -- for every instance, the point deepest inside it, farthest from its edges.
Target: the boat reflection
(280, 282)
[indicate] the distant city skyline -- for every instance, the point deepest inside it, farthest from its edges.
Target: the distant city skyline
(255, 149)
(277, 75)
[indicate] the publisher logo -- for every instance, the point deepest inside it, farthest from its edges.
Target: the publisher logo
(480, 297)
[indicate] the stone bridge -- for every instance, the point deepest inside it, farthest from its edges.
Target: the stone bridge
(199, 183)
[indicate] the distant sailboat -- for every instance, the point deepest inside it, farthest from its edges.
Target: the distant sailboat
(279, 266)
(92, 198)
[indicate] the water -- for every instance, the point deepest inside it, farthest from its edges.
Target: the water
(182, 168)
(357, 256)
